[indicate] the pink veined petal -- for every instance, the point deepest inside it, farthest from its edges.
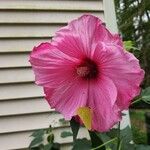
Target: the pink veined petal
(68, 97)
(69, 82)
(81, 36)
(51, 66)
(102, 97)
(123, 69)
(117, 40)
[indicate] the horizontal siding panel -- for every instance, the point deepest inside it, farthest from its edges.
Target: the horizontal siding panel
(23, 45)
(24, 106)
(14, 60)
(41, 17)
(9, 75)
(29, 122)
(10, 31)
(24, 138)
(23, 25)
(74, 5)
(17, 91)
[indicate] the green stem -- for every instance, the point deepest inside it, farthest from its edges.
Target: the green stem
(112, 140)
(120, 145)
(118, 137)
(136, 101)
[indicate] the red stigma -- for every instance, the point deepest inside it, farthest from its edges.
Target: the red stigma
(87, 69)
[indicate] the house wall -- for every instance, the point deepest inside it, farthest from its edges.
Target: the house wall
(24, 24)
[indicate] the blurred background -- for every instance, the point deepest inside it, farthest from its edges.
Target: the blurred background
(133, 19)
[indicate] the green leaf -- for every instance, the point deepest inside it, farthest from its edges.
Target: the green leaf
(142, 147)
(38, 133)
(106, 138)
(126, 134)
(146, 95)
(82, 144)
(36, 141)
(129, 45)
(65, 134)
(63, 121)
(104, 144)
(96, 140)
(75, 128)
(113, 133)
(126, 137)
(52, 146)
(48, 147)
(85, 114)
(50, 138)
(56, 146)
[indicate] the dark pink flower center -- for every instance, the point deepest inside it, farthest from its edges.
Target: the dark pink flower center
(87, 69)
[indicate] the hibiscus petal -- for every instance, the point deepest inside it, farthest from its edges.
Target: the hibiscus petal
(85, 66)
(117, 40)
(51, 66)
(102, 97)
(124, 70)
(80, 36)
(68, 97)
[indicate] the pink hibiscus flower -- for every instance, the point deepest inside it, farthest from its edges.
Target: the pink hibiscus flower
(86, 66)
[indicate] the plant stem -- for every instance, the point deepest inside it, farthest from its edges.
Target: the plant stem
(136, 101)
(120, 145)
(112, 140)
(118, 137)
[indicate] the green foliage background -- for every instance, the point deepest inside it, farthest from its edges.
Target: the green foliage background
(133, 18)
